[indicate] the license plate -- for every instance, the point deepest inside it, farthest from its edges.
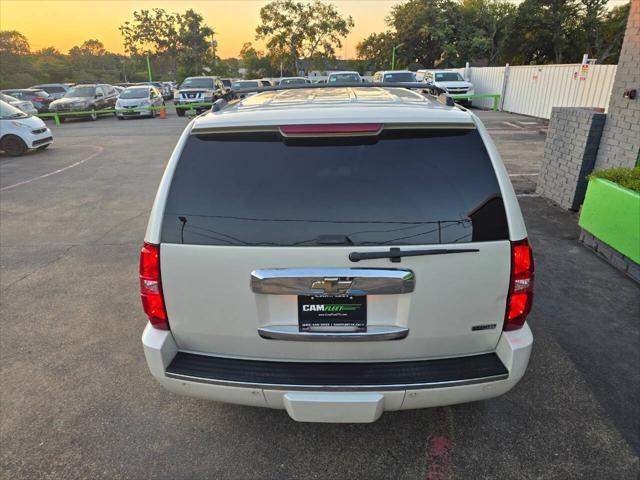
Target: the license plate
(332, 311)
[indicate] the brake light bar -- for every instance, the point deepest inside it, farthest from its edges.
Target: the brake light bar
(331, 129)
(521, 285)
(151, 286)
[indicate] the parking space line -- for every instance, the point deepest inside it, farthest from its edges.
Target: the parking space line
(514, 125)
(60, 170)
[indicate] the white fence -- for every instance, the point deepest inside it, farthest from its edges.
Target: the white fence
(534, 90)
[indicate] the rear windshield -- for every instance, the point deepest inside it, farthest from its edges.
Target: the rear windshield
(344, 77)
(401, 188)
(135, 93)
(197, 83)
(449, 77)
(399, 77)
(52, 89)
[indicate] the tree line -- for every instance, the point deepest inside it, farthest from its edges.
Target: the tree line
(448, 33)
(303, 36)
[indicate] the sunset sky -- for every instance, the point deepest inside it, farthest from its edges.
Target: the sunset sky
(64, 24)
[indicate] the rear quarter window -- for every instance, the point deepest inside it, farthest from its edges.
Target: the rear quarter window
(401, 188)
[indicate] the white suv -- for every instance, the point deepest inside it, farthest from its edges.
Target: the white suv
(447, 80)
(337, 252)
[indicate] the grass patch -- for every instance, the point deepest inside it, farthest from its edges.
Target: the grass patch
(625, 177)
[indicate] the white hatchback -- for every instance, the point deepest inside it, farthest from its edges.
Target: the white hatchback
(21, 132)
(337, 252)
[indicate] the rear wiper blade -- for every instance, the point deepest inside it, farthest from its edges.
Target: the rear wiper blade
(395, 254)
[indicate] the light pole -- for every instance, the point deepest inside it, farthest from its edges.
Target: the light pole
(149, 68)
(214, 44)
(393, 55)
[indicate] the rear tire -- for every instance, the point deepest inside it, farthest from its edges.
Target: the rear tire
(13, 146)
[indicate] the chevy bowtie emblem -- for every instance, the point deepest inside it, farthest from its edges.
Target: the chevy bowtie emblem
(332, 285)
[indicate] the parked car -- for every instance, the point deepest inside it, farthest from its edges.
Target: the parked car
(164, 90)
(140, 101)
(394, 76)
(24, 105)
(118, 89)
(243, 84)
(447, 80)
(86, 98)
(21, 132)
(199, 90)
(39, 98)
(227, 82)
(55, 90)
(305, 253)
(294, 81)
(344, 77)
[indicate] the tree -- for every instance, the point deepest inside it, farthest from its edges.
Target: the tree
(294, 30)
(177, 43)
(375, 50)
(14, 59)
(426, 31)
(13, 43)
(194, 42)
(89, 48)
(546, 31)
(612, 29)
(256, 64)
(152, 31)
(483, 30)
(591, 23)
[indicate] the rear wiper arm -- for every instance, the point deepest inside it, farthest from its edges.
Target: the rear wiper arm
(395, 254)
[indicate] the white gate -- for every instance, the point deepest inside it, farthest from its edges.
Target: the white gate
(534, 90)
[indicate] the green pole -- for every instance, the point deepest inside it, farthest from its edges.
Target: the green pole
(149, 68)
(393, 58)
(496, 99)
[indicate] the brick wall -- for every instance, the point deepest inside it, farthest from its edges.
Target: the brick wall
(570, 152)
(620, 145)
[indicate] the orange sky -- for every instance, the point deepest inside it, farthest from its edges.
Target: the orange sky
(64, 24)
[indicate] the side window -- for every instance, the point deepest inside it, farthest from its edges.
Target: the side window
(100, 90)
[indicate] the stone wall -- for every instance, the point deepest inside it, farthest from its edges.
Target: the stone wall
(620, 145)
(570, 152)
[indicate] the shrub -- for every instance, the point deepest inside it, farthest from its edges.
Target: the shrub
(625, 177)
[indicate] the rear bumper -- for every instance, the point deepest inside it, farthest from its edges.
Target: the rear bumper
(339, 392)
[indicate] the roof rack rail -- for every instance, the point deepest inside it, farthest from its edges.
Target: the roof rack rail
(439, 94)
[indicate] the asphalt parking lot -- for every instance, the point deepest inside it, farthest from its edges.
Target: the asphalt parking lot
(77, 400)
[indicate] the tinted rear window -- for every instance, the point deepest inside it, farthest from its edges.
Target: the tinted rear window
(53, 89)
(402, 188)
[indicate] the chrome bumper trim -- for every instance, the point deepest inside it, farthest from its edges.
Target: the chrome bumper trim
(338, 388)
(293, 333)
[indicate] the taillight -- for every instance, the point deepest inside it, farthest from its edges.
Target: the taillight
(39, 99)
(521, 285)
(151, 286)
